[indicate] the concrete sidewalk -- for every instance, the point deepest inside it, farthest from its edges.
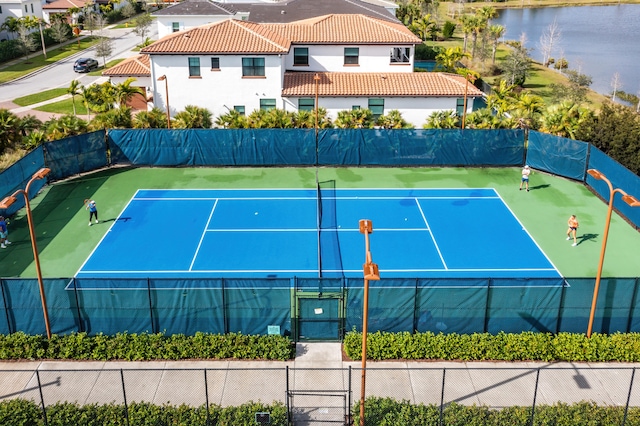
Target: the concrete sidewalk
(319, 377)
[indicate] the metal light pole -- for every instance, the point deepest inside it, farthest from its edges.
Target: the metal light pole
(166, 87)
(4, 204)
(630, 200)
(44, 49)
(370, 273)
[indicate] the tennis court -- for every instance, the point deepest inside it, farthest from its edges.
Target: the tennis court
(280, 233)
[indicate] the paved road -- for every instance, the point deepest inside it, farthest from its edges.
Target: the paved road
(61, 73)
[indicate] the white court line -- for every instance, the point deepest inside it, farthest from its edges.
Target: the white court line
(105, 234)
(204, 232)
(531, 237)
(433, 238)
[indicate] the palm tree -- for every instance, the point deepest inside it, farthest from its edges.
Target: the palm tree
(11, 25)
(447, 58)
(232, 120)
(119, 118)
(193, 117)
(305, 119)
(154, 119)
(355, 119)
(483, 118)
(75, 88)
(421, 27)
(393, 120)
(123, 92)
(527, 110)
(278, 119)
(10, 133)
(34, 139)
(564, 119)
(495, 33)
(65, 126)
(467, 22)
(501, 98)
(442, 120)
(28, 124)
(478, 24)
(256, 120)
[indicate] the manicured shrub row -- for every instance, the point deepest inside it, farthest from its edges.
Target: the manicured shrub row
(20, 412)
(526, 346)
(143, 347)
(388, 412)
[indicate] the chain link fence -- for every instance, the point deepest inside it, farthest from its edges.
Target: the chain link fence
(315, 396)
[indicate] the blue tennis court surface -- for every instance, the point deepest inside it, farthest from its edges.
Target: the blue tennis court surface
(417, 233)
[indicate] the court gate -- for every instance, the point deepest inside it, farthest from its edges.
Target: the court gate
(318, 316)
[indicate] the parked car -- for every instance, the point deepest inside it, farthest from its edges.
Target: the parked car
(85, 65)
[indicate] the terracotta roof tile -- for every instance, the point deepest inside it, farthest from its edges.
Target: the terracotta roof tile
(228, 36)
(65, 4)
(340, 84)
(135, 66)
(345, 29)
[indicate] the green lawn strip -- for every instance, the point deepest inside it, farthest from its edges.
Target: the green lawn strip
(25, 67)
(40, 97)
(64, 107)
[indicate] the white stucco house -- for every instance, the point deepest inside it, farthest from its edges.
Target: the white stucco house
(18, 9)
(361, 62)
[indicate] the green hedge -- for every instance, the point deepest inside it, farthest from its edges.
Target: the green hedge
(378, 412)
(20, 412)
(144, 347)
(528, 346)
(388, 412)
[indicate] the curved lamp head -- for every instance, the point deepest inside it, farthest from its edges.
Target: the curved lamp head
(7, 201)
(40, 174)
(631, 200)
(162, 78)
(595, 174)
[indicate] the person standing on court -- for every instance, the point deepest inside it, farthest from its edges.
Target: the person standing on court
(573, 227)
(4, 233)
(525, 178)
(93, 211)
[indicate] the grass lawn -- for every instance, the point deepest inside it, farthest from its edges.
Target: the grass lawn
(40, 97)
(64, 107)
(25, 67)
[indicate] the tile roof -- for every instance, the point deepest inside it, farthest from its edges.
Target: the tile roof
(65, 4)
(337, 28)
(196, 8)
(227, 36)
(341, 84)
(295, 10)
(135, 66)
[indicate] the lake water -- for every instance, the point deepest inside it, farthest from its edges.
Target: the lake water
(596, 40)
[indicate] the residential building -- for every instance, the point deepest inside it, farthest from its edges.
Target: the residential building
(361, 62)
(17, 9)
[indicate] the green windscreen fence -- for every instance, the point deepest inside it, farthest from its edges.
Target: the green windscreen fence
(254, 306)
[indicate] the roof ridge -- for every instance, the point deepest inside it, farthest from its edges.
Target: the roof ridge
(245, 25)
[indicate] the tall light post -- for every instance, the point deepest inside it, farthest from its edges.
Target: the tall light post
(4, 204)
(166, 88)
(630, 200)
(467, 78)
(44, 49)
(370, 273)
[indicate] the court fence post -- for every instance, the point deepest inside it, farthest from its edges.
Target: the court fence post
(206, 397)
(154, 329)
(535, 395)
(78, 312)
(626, 407)
(441, 420)
(485, 325)
(632, 306)
(124, 398)
(44, 409)
(561, 305)
(6, 308)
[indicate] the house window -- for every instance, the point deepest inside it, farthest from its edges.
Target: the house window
(194, 67)
(267, 104)
(306, 104)
(460, 107)
(175, 27)
(355, 107)
(400, 55)
(253, 67)
(25, 9)
(377, 107)
(215, 63)
(351, 55)
(32, 8)
(300, 56)
(239, 109)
